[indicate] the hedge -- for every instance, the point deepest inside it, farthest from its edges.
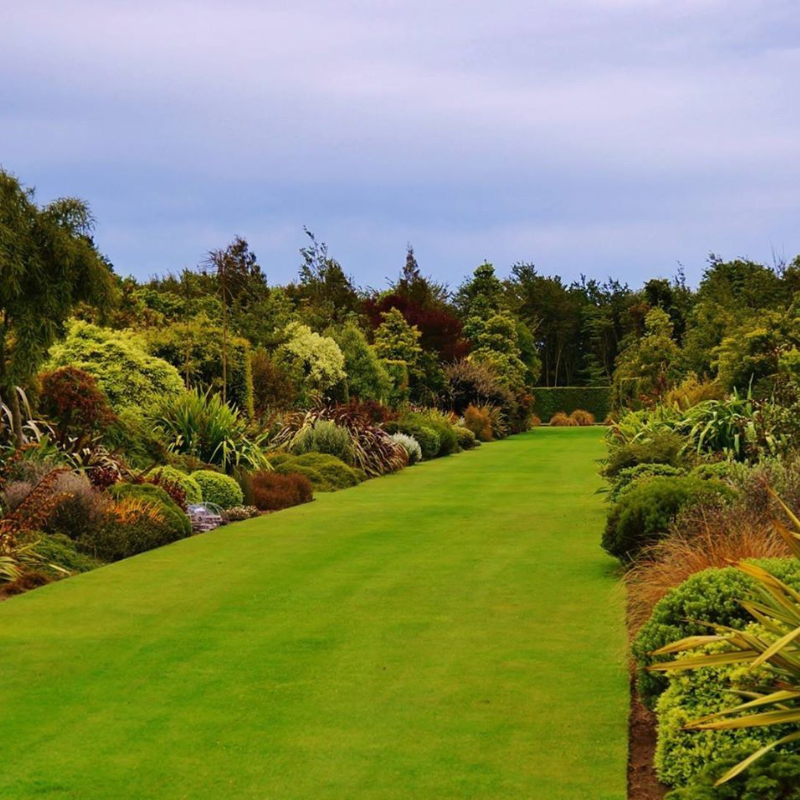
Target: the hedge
(549, 400)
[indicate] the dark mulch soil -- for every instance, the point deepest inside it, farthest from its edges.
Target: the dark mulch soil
(642, 781)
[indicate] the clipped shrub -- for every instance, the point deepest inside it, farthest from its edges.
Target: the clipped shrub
(662, 448)
(561, 420)
(410, 445)
(239, 513)
(273, 491)
(630, 476)
(682, 754)
(713, 596)
(582, 418)
(191, 488)
(326, 473)
(222, 490)
(642, 514)
(466, 438)
(173, 516)
(323, 436)
(478, 420)
(775, 776)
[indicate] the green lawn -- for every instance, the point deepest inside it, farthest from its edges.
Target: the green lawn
(453, 631)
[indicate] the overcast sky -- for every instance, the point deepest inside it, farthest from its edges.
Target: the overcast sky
(588, 136)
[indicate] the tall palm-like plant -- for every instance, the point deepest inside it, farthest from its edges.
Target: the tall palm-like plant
(776, 701)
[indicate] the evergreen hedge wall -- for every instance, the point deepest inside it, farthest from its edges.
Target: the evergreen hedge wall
(549, 400)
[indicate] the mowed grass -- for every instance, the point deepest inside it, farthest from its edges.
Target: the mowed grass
(449, 632)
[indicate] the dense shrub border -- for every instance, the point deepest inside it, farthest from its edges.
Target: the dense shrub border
(549, 400)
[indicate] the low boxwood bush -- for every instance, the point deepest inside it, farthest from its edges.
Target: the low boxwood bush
(173, 516)
(775, 776)
(712, 595)
(643, 514)
(222, 490)
(191, 488)
(682, 754)
(662, 448)
(273, 491)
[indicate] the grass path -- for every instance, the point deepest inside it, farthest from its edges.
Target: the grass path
(448, 632)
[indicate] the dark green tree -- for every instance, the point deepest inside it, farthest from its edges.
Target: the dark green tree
(48, 265)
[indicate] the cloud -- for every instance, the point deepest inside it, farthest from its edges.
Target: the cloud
(588, 135)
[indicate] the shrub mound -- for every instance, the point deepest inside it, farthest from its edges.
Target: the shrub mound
(682, 754)
(582, 418)
(661, 448)
(410, 445)
(273, 491)
(630, 476)
(222, 490)
(712, 595)
(466, 438)
(325, 472)
(775, 776)
(149, 493)
(561, 420)
(643, 514)
(191, 488)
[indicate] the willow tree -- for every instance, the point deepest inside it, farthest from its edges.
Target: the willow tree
(48, 265)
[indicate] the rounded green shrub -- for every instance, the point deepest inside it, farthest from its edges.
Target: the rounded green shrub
(428, 439)
(60, 551)
(325, 472)
(629, 477)
(712, 595)
(194, 494)
(661, 448)
(222, 490)
(465, 437)
(682, 754)
(775, 776)
(178, 522)
(643, 514)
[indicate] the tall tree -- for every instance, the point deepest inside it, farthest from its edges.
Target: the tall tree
(48, 265)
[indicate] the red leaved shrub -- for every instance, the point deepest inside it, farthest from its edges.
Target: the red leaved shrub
(272, 491)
